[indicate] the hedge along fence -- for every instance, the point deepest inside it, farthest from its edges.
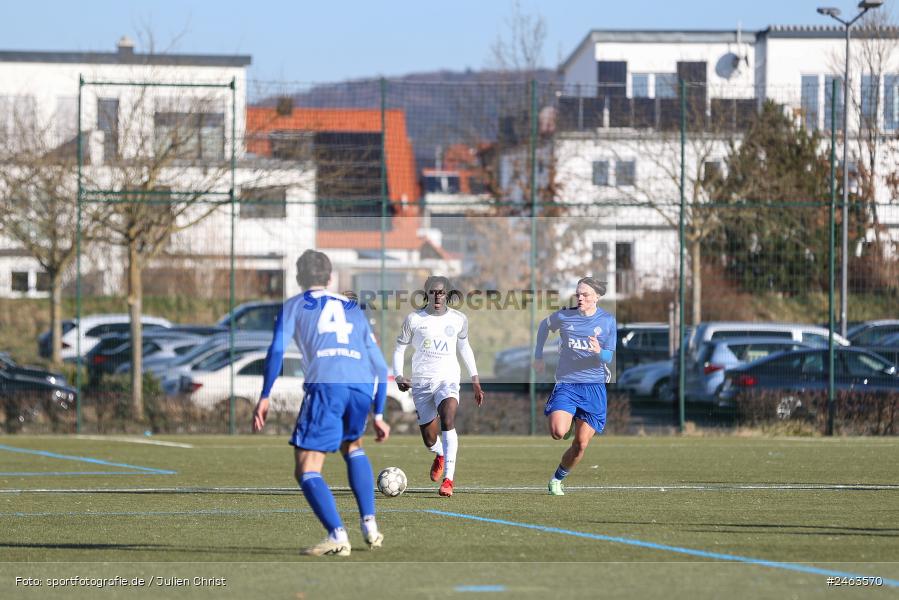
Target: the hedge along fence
(855, 413)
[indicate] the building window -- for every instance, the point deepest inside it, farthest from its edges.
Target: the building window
(263, 203)
(625, 173)
(20, 281)
(601, 172)
(640, 85)
(891, 102)
(870, 95)
(666, 85)
(42, 281)
(810, 101)
(190, 135)
(828, 91)
(292, 145)
(108, 123)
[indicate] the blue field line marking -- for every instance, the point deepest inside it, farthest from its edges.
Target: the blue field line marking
(480, 588)
(654, 546)
(95, 461)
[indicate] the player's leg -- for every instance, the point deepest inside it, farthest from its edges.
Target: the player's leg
(429, 426)
(359, 471)
(583, 433)
(560, 408)
(319, 430)
(447, 411)
(308, 466)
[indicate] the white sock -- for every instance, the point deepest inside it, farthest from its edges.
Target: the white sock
(450, 446)
(338, 535)
(437, 448)
(369, 525)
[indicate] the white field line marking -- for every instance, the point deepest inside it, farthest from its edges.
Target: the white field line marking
(130, 440)
(541, 488)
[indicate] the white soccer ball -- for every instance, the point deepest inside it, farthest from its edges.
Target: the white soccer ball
(392, 481)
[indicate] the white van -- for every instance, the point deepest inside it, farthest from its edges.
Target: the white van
(713, 331)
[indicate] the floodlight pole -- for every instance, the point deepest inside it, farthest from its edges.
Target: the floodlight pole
(844, 257)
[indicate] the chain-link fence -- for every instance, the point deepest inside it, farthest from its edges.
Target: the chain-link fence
(712, 215)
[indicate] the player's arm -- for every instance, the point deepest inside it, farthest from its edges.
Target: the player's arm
(463, 347)
(273, 361)
(547, 324)
(399, 354)
(606, 348)
(379, 368)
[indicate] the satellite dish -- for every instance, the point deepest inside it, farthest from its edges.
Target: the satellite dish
(728, 65)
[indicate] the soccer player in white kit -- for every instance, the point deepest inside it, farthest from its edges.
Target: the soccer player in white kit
(437, 332)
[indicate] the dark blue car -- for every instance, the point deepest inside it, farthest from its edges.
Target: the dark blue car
(855, 370)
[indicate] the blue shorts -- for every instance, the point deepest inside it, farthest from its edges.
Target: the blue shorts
(331, 414)
(586, 401)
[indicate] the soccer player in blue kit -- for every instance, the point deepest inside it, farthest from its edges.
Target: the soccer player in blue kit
(341, 362)
(586, 347)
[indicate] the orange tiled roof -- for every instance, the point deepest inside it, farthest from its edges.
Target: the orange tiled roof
(402, 183)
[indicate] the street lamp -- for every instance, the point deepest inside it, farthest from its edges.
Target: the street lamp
(834, 13)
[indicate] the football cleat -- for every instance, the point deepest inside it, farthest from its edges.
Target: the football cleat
(374, 540)
(327, 548)
(555, 487)
(446, 488)
(437, 468)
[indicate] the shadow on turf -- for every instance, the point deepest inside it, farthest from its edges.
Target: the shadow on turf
(155, 548)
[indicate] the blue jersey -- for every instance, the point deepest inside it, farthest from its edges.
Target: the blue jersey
(577, 362)
(335, 340)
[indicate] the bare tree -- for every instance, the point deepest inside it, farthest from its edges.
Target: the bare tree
(876, 58)
(172, 160)
(38, 198)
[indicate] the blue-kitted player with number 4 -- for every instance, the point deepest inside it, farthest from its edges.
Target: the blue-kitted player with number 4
(586, 348)
(341, 363)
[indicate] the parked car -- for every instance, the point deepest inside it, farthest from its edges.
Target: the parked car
(158, 365)
(161, 347)
(513, 365)
(113, 351)
(705, 376)
(873, 333)
(9, 365)
(213, 351)
(26, 393)
(805, 370)
(253, 316)
(211, 387)
(93, 327)
(649, 380)
(640, 343)
(811, 335)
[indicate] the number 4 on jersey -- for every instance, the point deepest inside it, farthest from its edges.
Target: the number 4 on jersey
(333, 320)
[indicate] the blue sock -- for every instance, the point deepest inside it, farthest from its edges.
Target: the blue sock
(320, 498)
(561, 472)
(362, 481)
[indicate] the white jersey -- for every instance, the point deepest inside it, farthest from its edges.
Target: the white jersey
(434, 338)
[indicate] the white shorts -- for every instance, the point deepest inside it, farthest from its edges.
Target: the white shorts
(427, 396)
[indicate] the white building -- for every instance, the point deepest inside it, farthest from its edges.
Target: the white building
(192, 105)
(616, 144)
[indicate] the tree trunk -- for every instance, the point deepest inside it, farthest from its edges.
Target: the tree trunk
(56, 317)
(696, 281)
(135, 310)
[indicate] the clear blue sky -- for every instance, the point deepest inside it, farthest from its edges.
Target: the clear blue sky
(334, 40)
